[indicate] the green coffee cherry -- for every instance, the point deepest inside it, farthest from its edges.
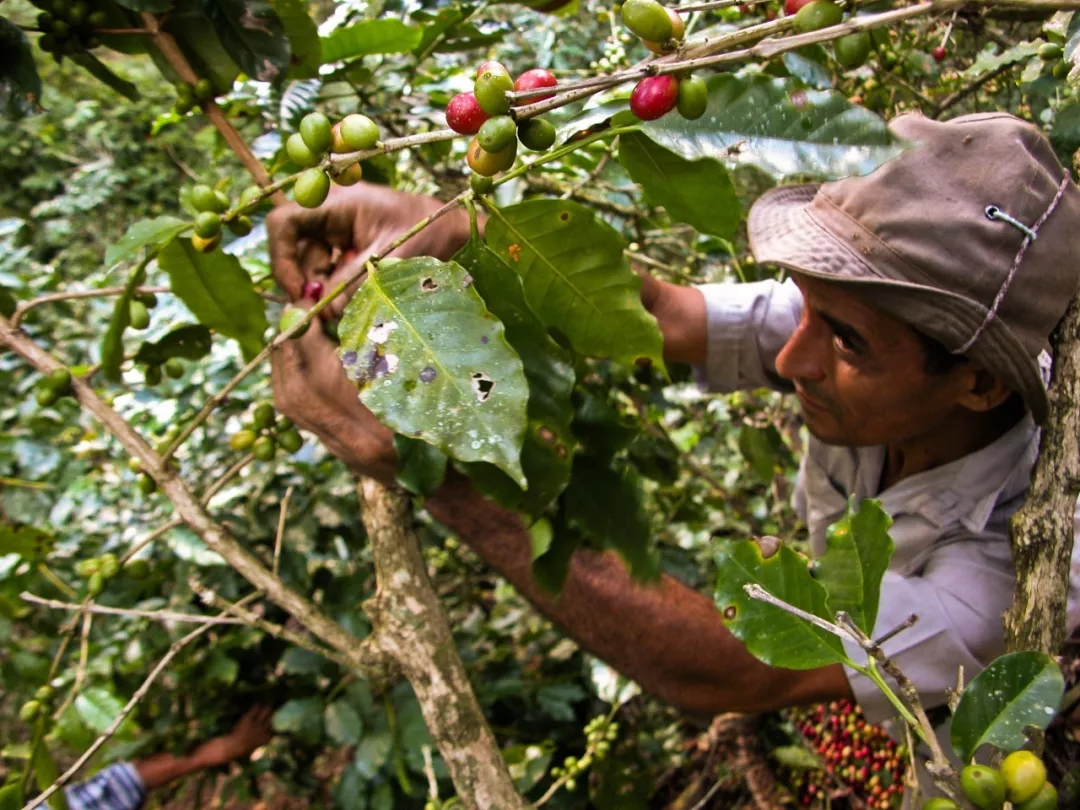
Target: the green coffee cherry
(817, 15)
(110, 566)
(86, 568)
(290, 441)
(241, 226)
(137, 570)
(147, 485)
(291, 316)
(536, 134)
(98, 19)
(851, 51)
(497, 133)
(44, 694)
(208, 225)
(480, 184)
(205, 198)
(358, 132)
(647, 19)
(204, 90)
(984, 786)
(95, 585)
(249, 196)
(263, 416)
(29, 711)
(242, 439)
(148, 299)
(59, 380)
(349, 176)
(138, 315)
(152, 375)
(300, 153)
(264, 448)
(174, 368)
(693, 98)
(315, 131)
(491, 88)
(312, 187)
(46, 396)
(1050, 51)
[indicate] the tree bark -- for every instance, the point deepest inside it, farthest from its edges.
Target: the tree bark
(411, 627)
(1041, 533)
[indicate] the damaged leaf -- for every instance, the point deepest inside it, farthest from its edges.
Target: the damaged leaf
(433, 364)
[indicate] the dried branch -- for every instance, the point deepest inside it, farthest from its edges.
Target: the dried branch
(154, 615)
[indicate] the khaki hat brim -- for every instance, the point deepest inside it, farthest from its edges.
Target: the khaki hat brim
(783, 231)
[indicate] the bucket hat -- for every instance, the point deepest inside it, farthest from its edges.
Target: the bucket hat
(971, 235)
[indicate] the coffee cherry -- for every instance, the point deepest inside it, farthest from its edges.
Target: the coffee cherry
(45, 397)
(655, 96)
(851, 51)
(349, 176)
(647, 19)
(264, 448)
(208, 224)
(263, 416)
(1024, 775)
(678, 32)
(137, 570)
(481, 184)
(78, 13)
(534, 79)
(152, 375)
(1060, 70)
(59, 380)
(148, 299)
(29, 711)
(138, 317)
(44, 694)
(146, 484)
(983, 786)
(174, 368)
(791, 7)
(312, 290)
(693, 98)
(98, 19)
(817, 15)
(487, 63)
(464, 115)
(311, 188)
(291, 316)
(250, 196)
(491, 88)
(490, 163)
(536, 134)
(204, 91)
(205, 198)
(358, 132)
(242, 440)
(939, 53)
(110, 565)
(497, 133)
(205, 245)
(1045, 799)
(95, 585)
(241, 226)
(222, 201)
(290, 441)
(315, 132)
(1050, 51)
(300, 153)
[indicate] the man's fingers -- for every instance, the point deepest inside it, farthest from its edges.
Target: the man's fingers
(292, 231)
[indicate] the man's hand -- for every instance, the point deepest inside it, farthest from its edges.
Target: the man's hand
(354, 222)
(250, 732)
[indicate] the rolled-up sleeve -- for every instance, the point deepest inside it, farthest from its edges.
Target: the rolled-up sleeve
(118, 787)
(748, 324)
(959, 599)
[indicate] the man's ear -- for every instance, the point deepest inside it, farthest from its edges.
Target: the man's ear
(981, 391)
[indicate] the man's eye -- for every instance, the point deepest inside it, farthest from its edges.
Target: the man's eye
(846, 343)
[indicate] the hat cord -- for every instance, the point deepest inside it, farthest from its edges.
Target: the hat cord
(1030, 234)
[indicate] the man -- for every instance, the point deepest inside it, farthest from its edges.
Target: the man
(912, 334)
(125, 785)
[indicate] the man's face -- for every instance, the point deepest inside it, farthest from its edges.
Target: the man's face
(859, 373)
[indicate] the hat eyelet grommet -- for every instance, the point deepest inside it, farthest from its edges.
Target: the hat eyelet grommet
(992, 212)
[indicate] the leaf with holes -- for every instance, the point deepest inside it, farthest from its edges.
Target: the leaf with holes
(697, 192)
(1016, 691)
(218, 291)
(777, 637)
(433, 363)
(851, 569)
(188, 342)
(548, 449)
(576, 278)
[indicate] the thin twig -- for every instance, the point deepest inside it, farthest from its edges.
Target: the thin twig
(225, 478)
(52, 298)
(150, 538)
(155, 615)
(755, 591)
(281, 529)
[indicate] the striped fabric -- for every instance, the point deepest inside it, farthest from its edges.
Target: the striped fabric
(118, 787)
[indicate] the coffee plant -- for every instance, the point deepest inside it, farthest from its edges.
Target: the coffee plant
(146, 476)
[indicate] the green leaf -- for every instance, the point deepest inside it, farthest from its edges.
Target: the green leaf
(343, 724)
(112, 344)
(990, 58)
(144, 232)
(1065, 133)
(810, 65)
(1017, 690)
(372, 752)
(20, 85)
(98, 707)
(697, 192)
(576, 278)
(253, 35)
(188, 23)
(220, 668)
(8, 305)
(218, 291)
(29, 542)
(770, 633)
(421, 468)
(797, 757)
(763, 448)
(300, 661)
(548, 449)
(302, 717)
(188, 342)
(303, 38)
(96, 68)
(11, 796)
(851, 569)
(607, 503)
(370, 36)
(780, 127)
(432, 363)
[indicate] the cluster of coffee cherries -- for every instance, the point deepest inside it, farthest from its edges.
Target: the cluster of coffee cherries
(1054, 55)
(52, 387)
(600, 733)
(310, 144)
(212, 205)
(1021, 781)
(860, 759)
(39, 706)
(265, 433)
(189, 96)
(485, 114)
(661, 30)
(68, 27)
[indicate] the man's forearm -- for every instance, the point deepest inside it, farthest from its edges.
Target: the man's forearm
(161, 769)
(667, 637)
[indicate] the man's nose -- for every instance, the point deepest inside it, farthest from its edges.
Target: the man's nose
(804, 355)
